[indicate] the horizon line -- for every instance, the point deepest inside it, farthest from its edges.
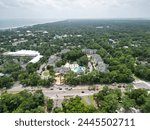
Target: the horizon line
(127, 18)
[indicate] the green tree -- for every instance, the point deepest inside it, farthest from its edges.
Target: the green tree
(110, 104)
(71, 78)
(127, 103)
(22, 102)
(50, 105)
(60, 63)
(108, 100)
(6, 82)
(139, 95)
(146, 107)
(31, 68)
(72, 55)
(83, 61)
(75, 105)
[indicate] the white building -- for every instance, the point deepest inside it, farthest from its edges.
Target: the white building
(30, 53)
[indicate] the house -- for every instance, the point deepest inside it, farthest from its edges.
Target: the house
(125, 47)
(1, 74)
(45, 32)
(19, 42)
(78, 35)
(112, 41)
(100, 27)
(89, 51)
(64, 51)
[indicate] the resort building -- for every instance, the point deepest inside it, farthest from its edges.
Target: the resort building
(90, 67)
(98, 63)
(61, 70)
(53, 59)
(75, 68)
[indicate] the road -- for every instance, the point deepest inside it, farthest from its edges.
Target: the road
(57, 93)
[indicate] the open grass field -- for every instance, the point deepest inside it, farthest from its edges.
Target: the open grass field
(89, 100)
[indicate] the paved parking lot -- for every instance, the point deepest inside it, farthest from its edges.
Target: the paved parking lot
(142, 84)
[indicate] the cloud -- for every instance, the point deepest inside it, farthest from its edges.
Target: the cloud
(75, 8)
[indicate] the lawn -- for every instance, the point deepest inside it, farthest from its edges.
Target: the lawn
(88, 100)
(45, 73)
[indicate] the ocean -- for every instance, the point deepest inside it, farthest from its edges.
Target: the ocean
(14, 23)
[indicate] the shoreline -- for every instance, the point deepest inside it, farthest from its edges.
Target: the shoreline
(27, 25)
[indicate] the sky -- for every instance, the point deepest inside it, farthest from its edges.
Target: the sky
(70, 9)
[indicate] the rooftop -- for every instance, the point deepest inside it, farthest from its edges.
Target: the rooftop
(99, 63)
(89, 51)
(23, 53)
(36, 59)
(64, 51)
(61, 70)
(53, 59)
(31, 53)
(1, 74)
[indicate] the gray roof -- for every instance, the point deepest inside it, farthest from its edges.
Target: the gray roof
(53, 59)
(64, 51)
(100, 65)
(61, 70)
(97, 58)
(89, 51)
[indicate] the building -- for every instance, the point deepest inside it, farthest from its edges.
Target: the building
(45, 32)
(64, 51)
(19, 42)
(89, 51)
(23, 53)
(98, 63)
(35, 54)
(1, 74)
(36, 59)
(53, 59)
(125, 47)
(61, 70)
(75, 68)
(100, 27)
(112, 41)
(90, 66)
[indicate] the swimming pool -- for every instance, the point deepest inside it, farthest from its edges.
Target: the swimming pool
(78, 69)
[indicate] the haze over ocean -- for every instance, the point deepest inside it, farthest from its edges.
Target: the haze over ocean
(14, 23)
